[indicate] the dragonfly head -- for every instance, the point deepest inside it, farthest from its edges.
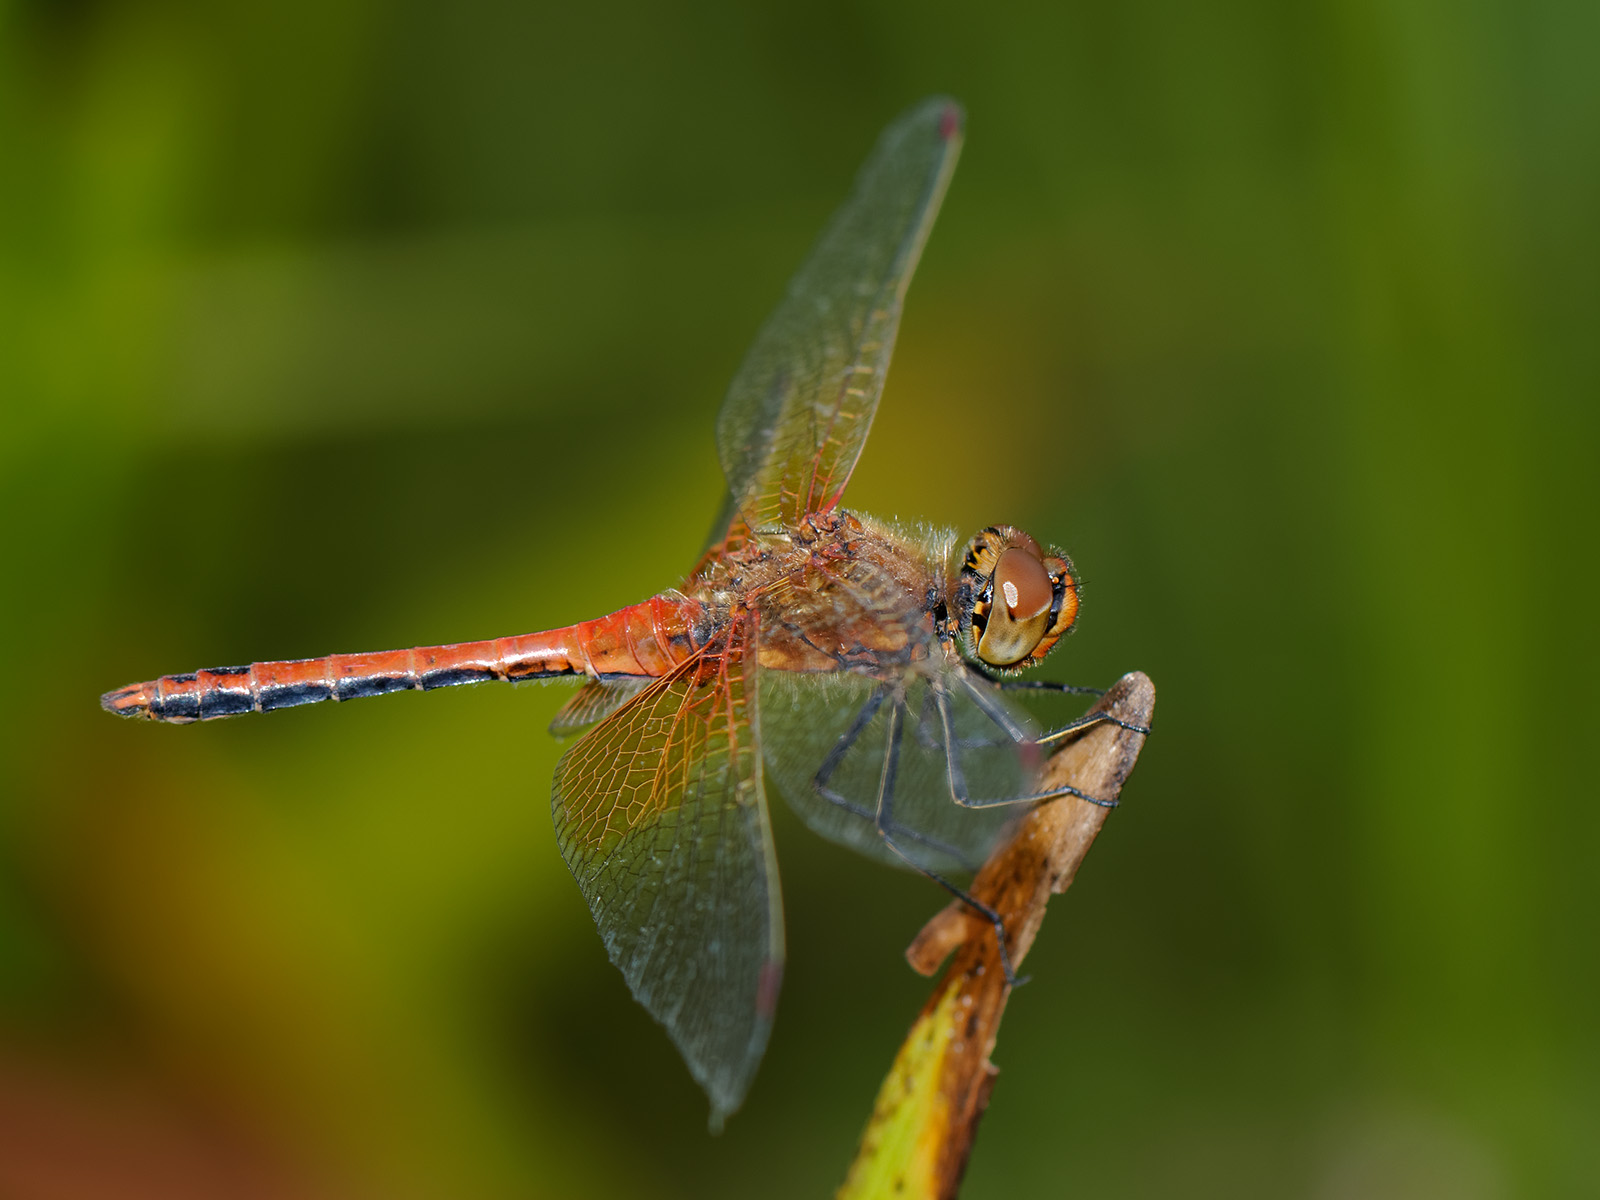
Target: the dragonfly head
(1012, 600)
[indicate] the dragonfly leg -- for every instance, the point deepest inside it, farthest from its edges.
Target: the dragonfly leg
(886, 831)
(1044, 685)
(1055, 737)
(1072, 728)
(1089, 721)
(925, 726)
(1019, 737)
(1034, 685)
(830, 764)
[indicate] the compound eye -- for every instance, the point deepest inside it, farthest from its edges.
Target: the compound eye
(1020, 612)
(1022, 584)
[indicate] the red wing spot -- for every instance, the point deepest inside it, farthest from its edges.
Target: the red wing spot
(950, 122)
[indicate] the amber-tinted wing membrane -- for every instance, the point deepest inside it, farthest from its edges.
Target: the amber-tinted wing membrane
(596, 700)
(659, 813)
(798, 412)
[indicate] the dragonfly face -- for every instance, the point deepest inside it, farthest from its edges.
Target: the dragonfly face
(836, 659)
(1012, 601)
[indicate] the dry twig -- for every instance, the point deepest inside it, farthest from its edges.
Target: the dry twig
(920, 1133)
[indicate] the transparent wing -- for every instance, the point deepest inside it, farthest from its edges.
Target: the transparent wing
(660, 815)
(798, 411)
(829, 737)
(596, 700)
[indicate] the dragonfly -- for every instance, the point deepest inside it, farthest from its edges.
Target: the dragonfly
(865, 669)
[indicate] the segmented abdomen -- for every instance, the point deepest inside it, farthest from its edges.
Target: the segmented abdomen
(646, 639)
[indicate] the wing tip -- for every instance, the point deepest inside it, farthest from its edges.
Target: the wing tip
(951, 119)
(945, 113)
(727, 1085)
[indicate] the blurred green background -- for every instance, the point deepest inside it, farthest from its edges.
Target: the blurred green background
(346, 325)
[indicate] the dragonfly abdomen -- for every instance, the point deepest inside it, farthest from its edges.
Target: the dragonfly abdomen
(646, 639)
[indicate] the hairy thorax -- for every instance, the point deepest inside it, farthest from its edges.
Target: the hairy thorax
(836, 592)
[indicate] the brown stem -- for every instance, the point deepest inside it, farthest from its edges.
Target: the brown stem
(920, 1134)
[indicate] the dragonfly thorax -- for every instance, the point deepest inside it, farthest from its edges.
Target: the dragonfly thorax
(1011, 600)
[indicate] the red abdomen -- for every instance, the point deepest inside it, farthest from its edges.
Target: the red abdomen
(646, 639)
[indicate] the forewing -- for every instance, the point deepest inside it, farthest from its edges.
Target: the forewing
(826, 746)
(798, 411)
(660, 815)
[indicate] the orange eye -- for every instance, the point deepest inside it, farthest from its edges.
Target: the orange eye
(1011, 599)
(1020, 614)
